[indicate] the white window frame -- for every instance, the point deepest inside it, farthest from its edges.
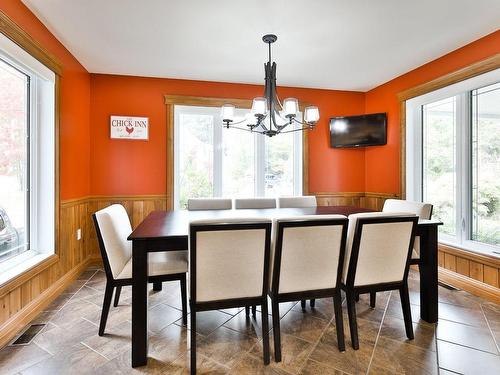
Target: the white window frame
(42, 161)
(414, 141)
(259, 156)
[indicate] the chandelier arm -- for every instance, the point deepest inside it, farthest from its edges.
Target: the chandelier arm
(247, 130)
(296, 130)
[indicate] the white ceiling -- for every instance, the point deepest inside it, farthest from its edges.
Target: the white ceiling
(331, 44)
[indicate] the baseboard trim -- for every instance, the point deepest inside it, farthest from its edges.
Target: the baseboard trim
(469, 285)
(17, 322)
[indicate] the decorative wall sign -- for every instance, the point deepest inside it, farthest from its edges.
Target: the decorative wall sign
(127, 127)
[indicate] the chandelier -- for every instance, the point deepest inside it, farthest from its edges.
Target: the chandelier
(269, 116)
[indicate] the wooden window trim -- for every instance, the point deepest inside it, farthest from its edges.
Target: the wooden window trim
(20, 37)
(15, 33)
(459, 75)
(172, 100)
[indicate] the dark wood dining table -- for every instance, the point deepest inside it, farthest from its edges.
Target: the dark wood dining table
(168, 231)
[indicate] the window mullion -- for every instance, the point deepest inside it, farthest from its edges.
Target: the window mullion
(217, 156)
(260, 159)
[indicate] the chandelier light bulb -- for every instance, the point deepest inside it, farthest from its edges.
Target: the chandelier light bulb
(259, 106)
(227, 113)
(290, 107)
(311, 115)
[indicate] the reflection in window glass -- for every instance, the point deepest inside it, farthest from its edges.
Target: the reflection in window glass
(196, 157)
(486, 164)
(439, 161)
(14, 197)
(279, 162)
(238, 163)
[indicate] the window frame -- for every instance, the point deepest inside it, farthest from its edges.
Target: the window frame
(259, 162)
(16, 42)
(172, 100)
(412, 131)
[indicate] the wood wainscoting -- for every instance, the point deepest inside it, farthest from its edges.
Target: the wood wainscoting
(22, 298)
(373, 201)
(137, 206)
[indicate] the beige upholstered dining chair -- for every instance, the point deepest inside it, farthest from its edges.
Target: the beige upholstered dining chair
(378, 254)
(240, 203)
(112, 226)
(228, 268)
(307, 262)
(297, 202)
(196, 204)
(422, 210)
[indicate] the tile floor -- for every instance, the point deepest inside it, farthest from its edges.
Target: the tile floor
(466, 340)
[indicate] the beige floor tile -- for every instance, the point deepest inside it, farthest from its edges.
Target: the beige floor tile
(76, 359)
(401, 357)
(465, 360)
(393, 328)
(14, 359)
(249, 325)
(207, 321)
(303, 325)
(463, 334)
(225, 346)
(294, 353)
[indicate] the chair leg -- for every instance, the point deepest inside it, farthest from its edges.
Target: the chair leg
(265, 331)
(312, 303)
(184, 300)
(117, 295)
(356, 297)
(373, 299)
(405, 302)
(108, 294)
(276, 330)
(193, 340)
(157, 286)
(339, 320)
(303, 304)
(247, 310)
(353, 325)
(254, 311)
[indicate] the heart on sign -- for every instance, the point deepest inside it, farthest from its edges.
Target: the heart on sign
(129, 130)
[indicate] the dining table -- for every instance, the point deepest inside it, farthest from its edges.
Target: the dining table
(169, 231)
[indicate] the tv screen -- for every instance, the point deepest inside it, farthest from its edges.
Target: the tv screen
(358, 131)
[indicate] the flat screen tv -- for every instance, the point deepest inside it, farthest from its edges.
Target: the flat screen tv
(358, 131)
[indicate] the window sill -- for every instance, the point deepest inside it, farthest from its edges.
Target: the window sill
(15, 273)
(482, 255)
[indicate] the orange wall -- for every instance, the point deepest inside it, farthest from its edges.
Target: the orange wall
(75, 103)
(139, 167)
(382, 163)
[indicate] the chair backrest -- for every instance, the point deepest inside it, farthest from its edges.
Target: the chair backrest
(196, 204)
(112, 226)
(254, 203)
(378, 247)
(422, 210)
(297, 202)
(229, 258)
(308, 253)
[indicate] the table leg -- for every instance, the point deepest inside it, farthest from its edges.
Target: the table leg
(428, 267)
(139, 304)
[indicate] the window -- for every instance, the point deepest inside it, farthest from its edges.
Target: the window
(453, 160)
(211, 161)
(14, 146)
(27, 158)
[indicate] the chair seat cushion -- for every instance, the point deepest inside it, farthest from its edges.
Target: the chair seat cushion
(161, 263)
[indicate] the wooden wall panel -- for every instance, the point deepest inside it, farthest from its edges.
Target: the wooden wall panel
(23, 291)
(137, 207)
